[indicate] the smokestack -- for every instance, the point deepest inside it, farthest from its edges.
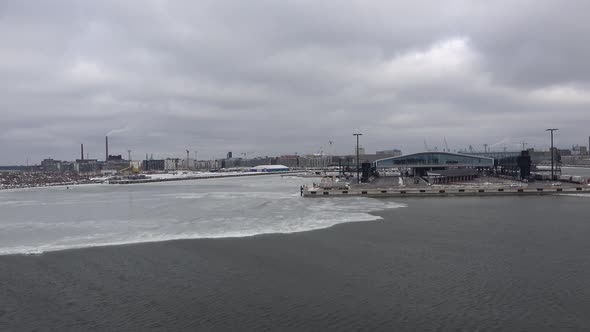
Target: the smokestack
(106, 142)
(81, 151)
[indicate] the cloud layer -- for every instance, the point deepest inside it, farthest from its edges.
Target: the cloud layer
(279, 77)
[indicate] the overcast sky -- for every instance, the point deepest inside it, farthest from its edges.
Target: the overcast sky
(278, 77)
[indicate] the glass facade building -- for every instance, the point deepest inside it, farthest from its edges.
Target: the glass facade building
(435, 159)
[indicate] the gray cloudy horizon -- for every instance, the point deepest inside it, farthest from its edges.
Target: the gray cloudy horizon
(283, 77)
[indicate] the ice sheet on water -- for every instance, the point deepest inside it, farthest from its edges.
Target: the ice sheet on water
(184, 195)
(109, 215)
(21, 203)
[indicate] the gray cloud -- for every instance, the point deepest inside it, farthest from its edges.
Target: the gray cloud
(283, 77)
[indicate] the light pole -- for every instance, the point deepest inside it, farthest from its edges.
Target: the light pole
(358, 179)
(187, 158)
(552, 162)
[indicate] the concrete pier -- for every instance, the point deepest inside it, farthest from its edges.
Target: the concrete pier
(441, 192)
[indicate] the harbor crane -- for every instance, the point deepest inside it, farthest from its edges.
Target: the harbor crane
(131, 169)
(320, 151)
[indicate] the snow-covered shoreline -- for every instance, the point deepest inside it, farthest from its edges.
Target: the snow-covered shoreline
(164, 177)
(149, 178)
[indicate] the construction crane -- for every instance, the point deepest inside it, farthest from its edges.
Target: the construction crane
(321, 150)
(131, 169)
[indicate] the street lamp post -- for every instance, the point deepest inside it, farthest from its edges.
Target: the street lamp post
(187, 160)
(358, 179)
(552, 162)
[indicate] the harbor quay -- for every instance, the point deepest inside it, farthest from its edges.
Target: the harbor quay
(442, 174)
(310, 191)
(409, 186)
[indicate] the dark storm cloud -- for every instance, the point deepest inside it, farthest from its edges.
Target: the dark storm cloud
(288, 76)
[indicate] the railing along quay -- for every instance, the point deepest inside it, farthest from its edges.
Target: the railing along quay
(442, 192)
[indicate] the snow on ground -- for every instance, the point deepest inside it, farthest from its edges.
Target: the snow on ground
(182, 175)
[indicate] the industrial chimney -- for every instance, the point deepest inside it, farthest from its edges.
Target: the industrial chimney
(81, 151)
(106, 142)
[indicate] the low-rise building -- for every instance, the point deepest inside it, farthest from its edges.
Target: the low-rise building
(87, 167)
(114, 166)
(316, 161)
(153, 165)
(290, 160)
(51, 166)
(389, 153)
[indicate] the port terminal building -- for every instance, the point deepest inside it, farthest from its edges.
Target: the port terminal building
(440, 166)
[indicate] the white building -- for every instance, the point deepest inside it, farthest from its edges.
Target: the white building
(172, 164)
(316, 161)
(269, 168)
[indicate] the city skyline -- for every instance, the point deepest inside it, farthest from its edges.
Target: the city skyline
(253, 155)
